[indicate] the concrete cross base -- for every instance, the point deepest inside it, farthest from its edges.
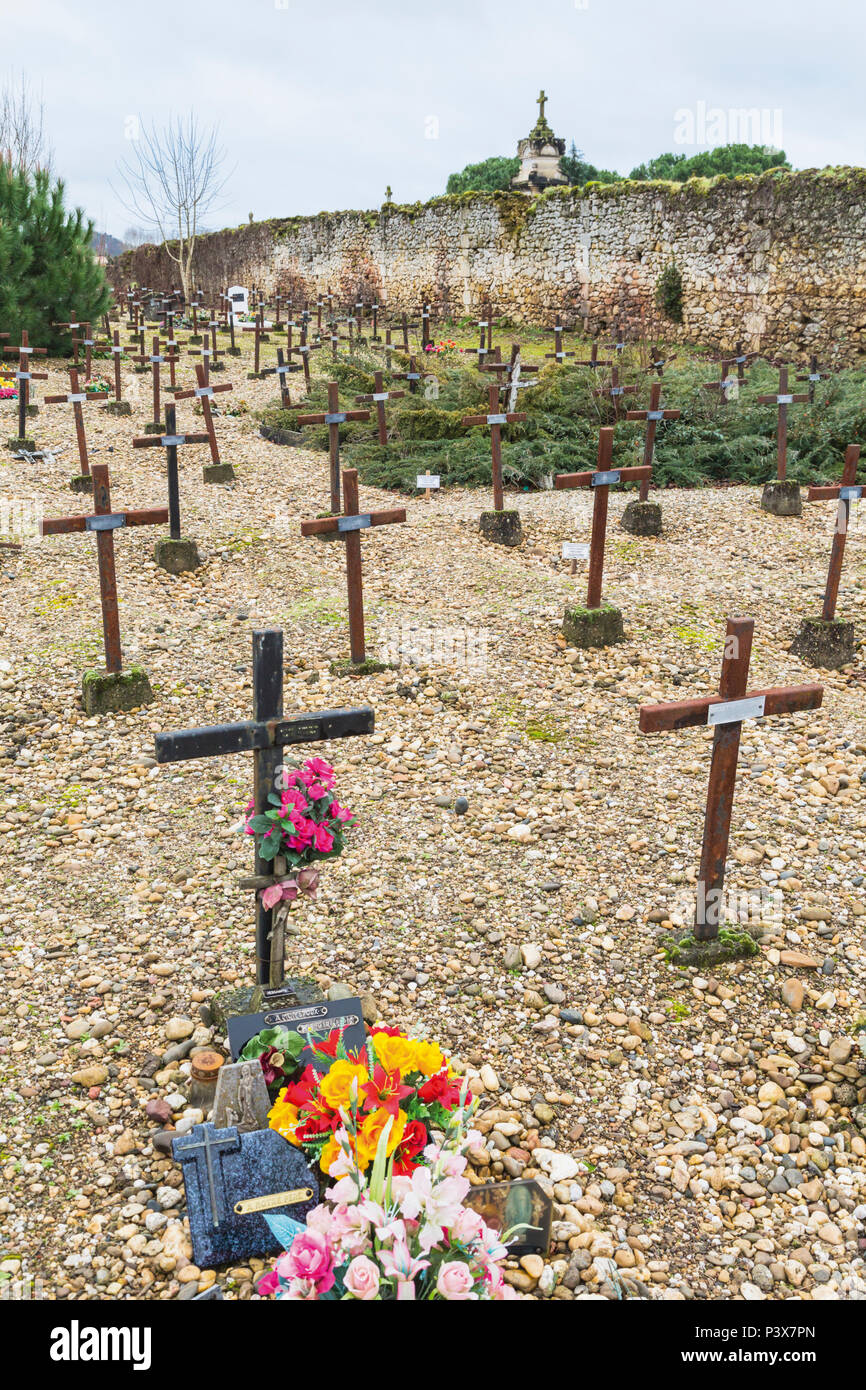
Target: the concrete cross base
(176, 556)
(105, 692)
(593, 627)
(82, 482)
(117, 408)
(368, 667)
(218, 473)
(782, 498)
(502, 528)
(153, 427)
(15, 443)
(731, 943)
(642, 518)
(825, 644)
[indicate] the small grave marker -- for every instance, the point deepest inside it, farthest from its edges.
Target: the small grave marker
(725, 713)
(642, 517)
(597, 625)
(500, 526)
(828, 641)
(429, 481)
(616, 392)
(782, 498)
(813, 376)
(24, 376)
(313, 1021)
(216, 471)
(83, 482)
(350, 525)
(112, 689)
(378, 398)
(727, 386)
(174, 553)
(334, 417)
(265, 735)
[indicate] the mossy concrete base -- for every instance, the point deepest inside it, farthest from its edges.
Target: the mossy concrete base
(218, 473)
(825, 644)
(368, 667)
(176, 556)
(254, 376)
(217, 367)
(142, 369)
(782, 498)
(502, 528)
(642, 518)
(153, 427)
(194, 338)
(732, 943)
(105, 692)
(28, 444)
(294, 990)
(293, 438)
(117, 408)
(593, 627)
(233, 351)
(82, 482)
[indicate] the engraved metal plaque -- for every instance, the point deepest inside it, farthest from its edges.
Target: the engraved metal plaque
(605, 479)
(354, 523)
(733, 711)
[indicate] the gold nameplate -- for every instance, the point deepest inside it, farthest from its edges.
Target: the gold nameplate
(274, 1199)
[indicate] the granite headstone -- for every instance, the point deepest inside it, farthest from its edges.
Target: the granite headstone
(316, 1020)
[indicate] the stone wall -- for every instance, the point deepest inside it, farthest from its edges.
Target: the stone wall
(777, 260)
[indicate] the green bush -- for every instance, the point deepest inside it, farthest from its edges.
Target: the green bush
(669, 293)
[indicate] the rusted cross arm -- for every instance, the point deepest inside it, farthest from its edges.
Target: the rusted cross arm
(782, 399)
(23, 348)
(202, 391)
(380, 396)
(616, 475)
(163, 441)
(652, 414)
(74, 398)
(106, 521)
(508, 418)
(685, 714)
(337, 417)
(850, 492)
(250, 734)
(326, 524)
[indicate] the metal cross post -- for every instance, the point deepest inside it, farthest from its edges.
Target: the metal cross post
(170, 442)
(334, 417)
(378, 398)
(615, 391)
(495, 418)
(658, 361)
(204, 392)
(725, 712)
(116, 352)
(600, 480)
(652, 416)
(725, 383)
(281, 371)
(303, 350)
(593, 361)
(265, 736)
(350, 524)
(558, 354)
(847, 492)
(24, 377)
(782, 400)
(155, 358)
(76, 398)
(413, 376)
(741, 360)
(105, 522)
(813, 376)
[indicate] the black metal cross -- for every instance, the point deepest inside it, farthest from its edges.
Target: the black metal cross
(265, 736)
(170, 441)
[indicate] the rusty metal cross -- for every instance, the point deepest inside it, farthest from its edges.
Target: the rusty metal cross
(846, 493)
(495, 418)
(600, 480)
(725, 713)
(782, 399)
(652, 416)
(334, 417)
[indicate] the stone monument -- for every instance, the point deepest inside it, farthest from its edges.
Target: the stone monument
(539, 156)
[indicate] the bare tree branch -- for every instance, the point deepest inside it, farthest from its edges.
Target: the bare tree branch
(23, 142)
(172, 179)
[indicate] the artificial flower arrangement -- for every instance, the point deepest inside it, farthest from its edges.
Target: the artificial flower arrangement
(8, 393)
(303, 823)
(395, 1078)
(390, 1234)
(444, 345)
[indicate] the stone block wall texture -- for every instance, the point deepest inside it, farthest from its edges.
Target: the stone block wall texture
(776, 260)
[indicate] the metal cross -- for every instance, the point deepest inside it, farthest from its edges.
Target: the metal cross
(652, 417)
(265, 736)
(187, 1148)
(378, 398)
(846, 493)
(334, 417)
(350, 524)
(170, 442)
(495, 419)
(76, 399)
(203, 392)
(782, 400)
(600, 480)
(725, 712)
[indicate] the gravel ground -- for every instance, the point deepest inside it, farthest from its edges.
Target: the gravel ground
(701, 1135)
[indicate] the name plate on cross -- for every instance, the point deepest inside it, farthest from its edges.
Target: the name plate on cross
(734, 711)
(605, 479)
(354, 523)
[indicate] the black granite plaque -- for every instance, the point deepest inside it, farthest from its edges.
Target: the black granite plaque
(316, 1020)
(232, 1181)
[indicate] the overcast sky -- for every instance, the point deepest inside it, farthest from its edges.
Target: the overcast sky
(320, 106)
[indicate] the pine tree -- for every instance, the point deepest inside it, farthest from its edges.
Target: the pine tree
(48, 272)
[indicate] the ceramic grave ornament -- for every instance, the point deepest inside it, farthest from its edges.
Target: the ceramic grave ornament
(241, 1099)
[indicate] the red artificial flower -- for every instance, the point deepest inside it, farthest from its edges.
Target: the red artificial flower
(410, 1146)
(384, 1091)
(440, 1088)
(383, 1028)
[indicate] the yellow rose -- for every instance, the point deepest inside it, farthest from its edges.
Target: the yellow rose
(367, 1140)
(428, 1057)
(283, 1117)
(395, 1054)
(335, 1086)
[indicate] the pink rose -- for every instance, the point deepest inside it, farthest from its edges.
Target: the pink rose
(338, 812)
(310, 1259)
(268, 1284)
(362, 1278)
(455, 1281)
(316, 791)
(323, 839)
(320, 769)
